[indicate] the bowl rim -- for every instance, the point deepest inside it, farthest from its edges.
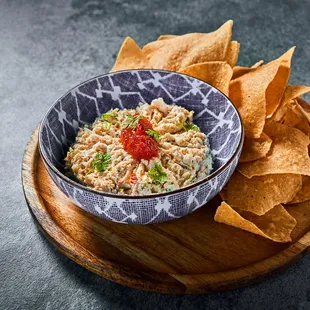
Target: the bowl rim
(47, 162)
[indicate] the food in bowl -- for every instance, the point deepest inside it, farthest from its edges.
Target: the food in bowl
(214, 114)
(154, 148)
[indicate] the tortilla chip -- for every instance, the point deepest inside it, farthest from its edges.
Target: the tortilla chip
(281, 111)
(291, 92)
(303, 126)
(258, 64)
(304, 108)
(304, 104)
(276, 225)
(182, 51)
(294, 91)
(223, 193)
(233, 52)
(166, 37)
(248, 94)
(216, 73)
(277, 87)
(254, 149)
(130, 56)
(304, 193)
(238, 70)
(295, 118)
(291, 114)
(260, 194)
(288, 153)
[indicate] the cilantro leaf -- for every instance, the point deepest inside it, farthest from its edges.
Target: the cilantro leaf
(70, 151)
(157, 174)
(190, 126)
(153, 133)
(132, 121)
(101, 162)
(106, 125)
(112, 114)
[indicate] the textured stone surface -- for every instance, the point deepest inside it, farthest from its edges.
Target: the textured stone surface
(47, 47)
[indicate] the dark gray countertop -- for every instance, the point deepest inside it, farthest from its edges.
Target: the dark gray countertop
(46, 47)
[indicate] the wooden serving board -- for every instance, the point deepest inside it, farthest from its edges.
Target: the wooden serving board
(193, 254)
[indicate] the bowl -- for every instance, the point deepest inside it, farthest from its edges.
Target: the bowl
(215, 114)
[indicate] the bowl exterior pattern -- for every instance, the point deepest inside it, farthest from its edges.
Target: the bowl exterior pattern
(147, 210)
(214, 114)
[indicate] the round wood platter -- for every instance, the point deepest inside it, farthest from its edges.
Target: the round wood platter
(193, 254)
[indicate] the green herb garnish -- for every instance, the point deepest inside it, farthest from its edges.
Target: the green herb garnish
(144, 186)
(106, 125)
(190, 126)
(112, 114)
(153, 133)
(157, 174)
(71, 151)
(101, 162)
(132, 121)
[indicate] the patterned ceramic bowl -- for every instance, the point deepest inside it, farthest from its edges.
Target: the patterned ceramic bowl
(214, 114)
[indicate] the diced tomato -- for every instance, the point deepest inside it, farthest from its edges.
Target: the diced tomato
(126, 136)
(143, 147)
(143, 125)
(137, 143)
(133, 179)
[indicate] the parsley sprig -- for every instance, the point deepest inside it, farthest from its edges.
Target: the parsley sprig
(101, 162)
(158, 174)
(106, 125)
(153, 133)
(88, 126)
(132, 121)
(71, 151)
(112, 114)
(190, 126)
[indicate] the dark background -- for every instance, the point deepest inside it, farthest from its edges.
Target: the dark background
(47, 47)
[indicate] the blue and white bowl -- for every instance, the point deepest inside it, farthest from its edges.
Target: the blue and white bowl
(214, 114)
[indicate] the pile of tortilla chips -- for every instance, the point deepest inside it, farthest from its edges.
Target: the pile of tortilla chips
(207, 56)
(274, 167)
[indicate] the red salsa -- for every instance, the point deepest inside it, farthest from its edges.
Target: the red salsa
(136, 141)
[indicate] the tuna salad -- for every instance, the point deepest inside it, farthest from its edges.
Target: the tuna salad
(153, 149)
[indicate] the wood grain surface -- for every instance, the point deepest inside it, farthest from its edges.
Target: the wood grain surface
(193, 254)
